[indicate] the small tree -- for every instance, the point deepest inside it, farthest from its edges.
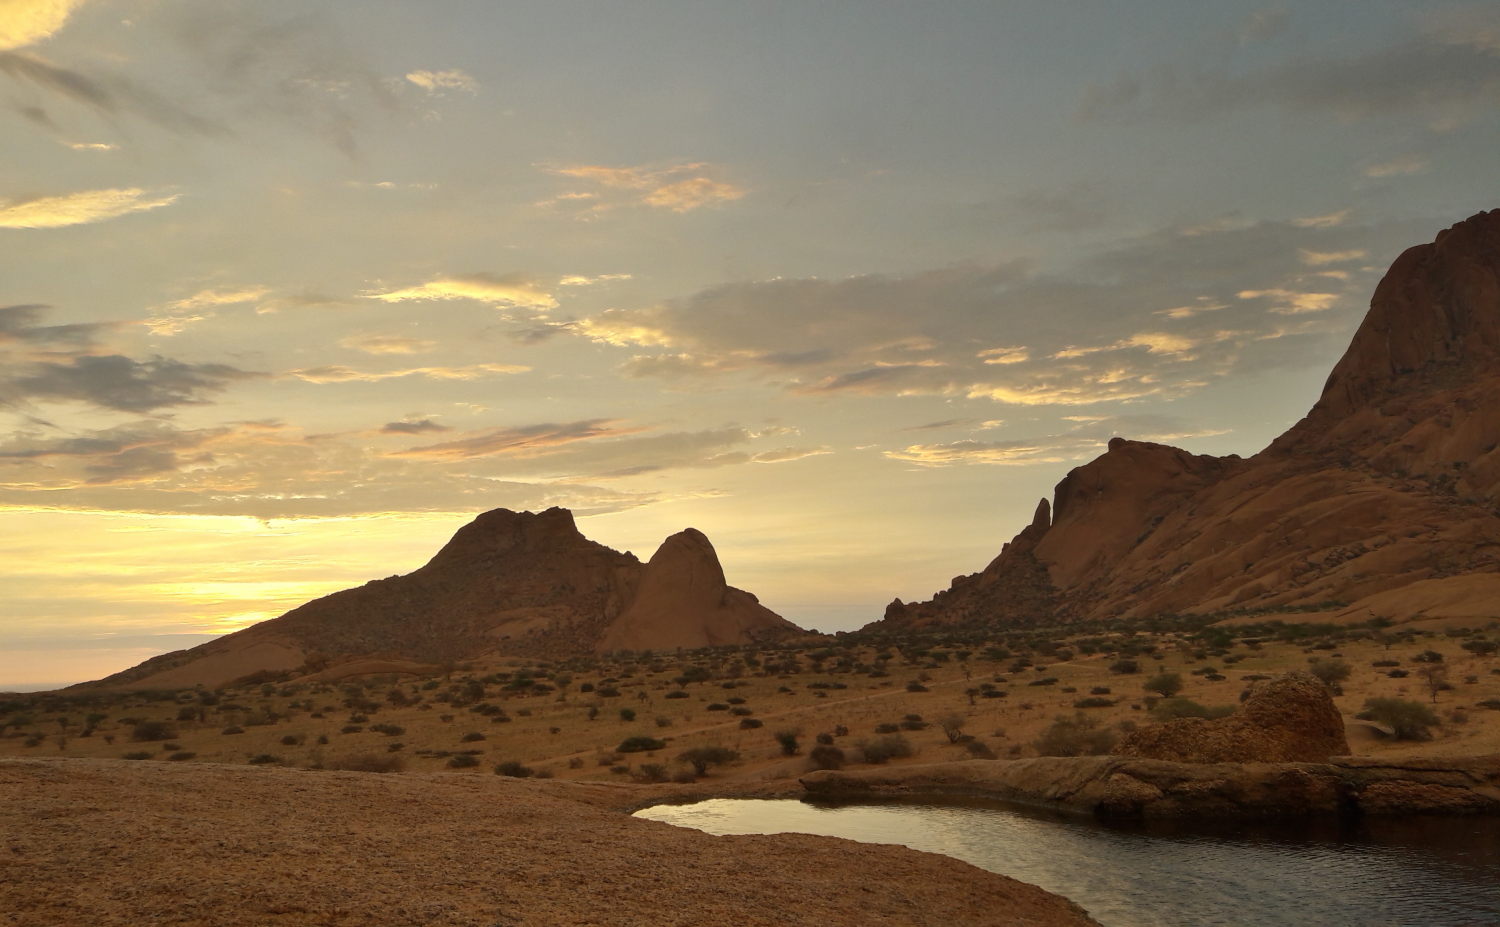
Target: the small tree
(788, 742)
(1079, 735)
(700, 758)
(953, 727)
(1331, 672)
(1434, 678)
(1165, 684)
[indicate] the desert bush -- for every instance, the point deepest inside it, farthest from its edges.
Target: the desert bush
(650, 772)
(887, 728)
(181, 755)
(1094, 701)
(389, 730)
(513, 769)
(979, 750)
(139, 755)
(750, 724)
(463, 761)
(640, 744)
(825, 756)
(367, 762)
(717, 706)
(146, 731)
(233, 729)
(740, 711)
(889, 747)
(1099, 690)
(1164, 684)
(293, 740)
(1044, 681)
(262, 759)
(676, 693)
(1332, 671)
(351, 729)
(472, 737)
(915, 686)
(627, 714)
(1170, 709)
(1079, 735)
(788, 742)
(701, 758)
(1124, 667)
(1407, 720)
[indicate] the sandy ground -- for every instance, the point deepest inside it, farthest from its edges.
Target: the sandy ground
(96, 843)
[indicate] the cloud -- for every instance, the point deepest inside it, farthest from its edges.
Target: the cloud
(1398, 167)
(787, 454)
(336, 373)
(679, 188)
(1325, 221)
(580, 280)
(18, 325)
(121, 383)
(1163, 313)
(50, 212)
(387, 344)
(508, 290)
(26, 22)
(522, 441)
(1084, 440)
(1441, 77)
(108, 95)
(93, 146)
(125, 454)
(171, 318)
(1321, 258)
(436, 82)
(418, 427)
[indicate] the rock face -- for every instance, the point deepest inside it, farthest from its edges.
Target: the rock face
(1290, 719)
(516, 583)
(1381, 502)
(1115, 787)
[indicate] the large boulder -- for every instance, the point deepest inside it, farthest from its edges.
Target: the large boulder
(1290, 719)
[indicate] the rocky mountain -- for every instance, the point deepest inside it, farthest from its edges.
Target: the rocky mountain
(1384, 501)
(508, 583)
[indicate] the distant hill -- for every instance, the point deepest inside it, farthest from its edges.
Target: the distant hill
(508, 583)
(1381, 502)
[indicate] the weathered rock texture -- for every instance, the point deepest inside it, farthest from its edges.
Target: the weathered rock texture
(109, 842)
(521, 583)
(1289, 719)
(1382, 500)
(1124, 787)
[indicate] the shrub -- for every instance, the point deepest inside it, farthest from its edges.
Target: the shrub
(640, 744)
(750, 724)
(889, 747)
(292, 740)
(514, 769)
(139, 755)
(700, 758)
(390, 730)
(351, 729)
(717, 706)
(181, 755)
(262, 759)
(471, 737)
(915, 686)
(1094, 701)
(1170, 709)
(1124, 667)
(1099, 690)
(233, 729)
(1044, 681)
(887, 728)
(1331, 672)
(1079, 735)
(627, 714)
(146, 731)
(979, 750)
(825, 756)
(676, 693)
(368, 762)
(463, 761)
(1407, 720)
(788, 742)
(1165, 684)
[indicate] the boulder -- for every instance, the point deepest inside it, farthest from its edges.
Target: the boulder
(1290, 719)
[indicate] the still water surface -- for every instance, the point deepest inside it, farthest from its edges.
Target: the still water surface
(1422, 873)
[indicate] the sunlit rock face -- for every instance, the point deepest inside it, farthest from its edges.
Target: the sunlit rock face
(508, 583)
(1380, 503)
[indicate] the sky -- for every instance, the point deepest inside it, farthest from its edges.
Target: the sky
(290, 291)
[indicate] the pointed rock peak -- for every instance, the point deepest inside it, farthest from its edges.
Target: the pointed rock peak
(688, 553)
(1437, 307)
(1043, 516)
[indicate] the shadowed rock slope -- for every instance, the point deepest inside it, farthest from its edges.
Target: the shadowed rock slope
(510, 583)
(1381, 502)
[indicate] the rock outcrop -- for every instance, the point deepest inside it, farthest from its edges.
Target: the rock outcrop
(684, 601)
(1289, 719)
(1384, 501)
(508, 583)
(1115, 787)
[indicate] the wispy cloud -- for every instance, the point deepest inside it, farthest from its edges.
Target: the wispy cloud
(171, 318)
(88, 206)
(436, 82)
(523, 441)
(387, 344)
(1398, 167)
(679, 188)
(413, 427)
(341, 374)
(505, 290)
(116, 382)
(1085, 439)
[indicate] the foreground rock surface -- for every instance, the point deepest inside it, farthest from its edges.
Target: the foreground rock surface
(1115, 787)
(1289, 719)
(104, 842)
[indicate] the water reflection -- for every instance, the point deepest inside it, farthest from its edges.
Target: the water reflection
(1439, 872)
